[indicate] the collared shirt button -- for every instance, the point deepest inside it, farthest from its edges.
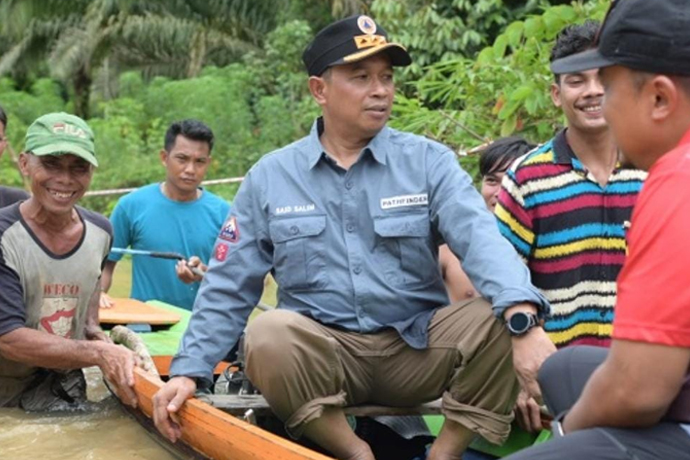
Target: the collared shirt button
(348, 185)
(294, 229)
(357, 270)
(350, 228)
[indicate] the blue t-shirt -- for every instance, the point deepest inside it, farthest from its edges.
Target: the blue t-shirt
(148, 220)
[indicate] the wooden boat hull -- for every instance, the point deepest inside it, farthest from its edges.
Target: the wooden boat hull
(207, 432)
(214, 434)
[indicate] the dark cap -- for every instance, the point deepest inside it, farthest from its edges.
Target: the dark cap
(646, 35)
(350, 40)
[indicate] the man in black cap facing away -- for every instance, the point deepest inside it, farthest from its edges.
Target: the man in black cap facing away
(633, 402)
(349, 219)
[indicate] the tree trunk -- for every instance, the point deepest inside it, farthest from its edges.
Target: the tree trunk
(82, 93)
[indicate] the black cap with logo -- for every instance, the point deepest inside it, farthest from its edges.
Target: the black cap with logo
(350, 40)
(646, 35)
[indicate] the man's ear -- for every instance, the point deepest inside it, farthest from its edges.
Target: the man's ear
(24, 159)
(317, 88)
(665, 95)
(556, 93)
(164, 156)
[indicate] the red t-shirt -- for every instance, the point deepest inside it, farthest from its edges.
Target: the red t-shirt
(654, 286)
(653, 303)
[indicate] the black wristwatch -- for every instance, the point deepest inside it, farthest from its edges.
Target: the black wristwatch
(520, 323)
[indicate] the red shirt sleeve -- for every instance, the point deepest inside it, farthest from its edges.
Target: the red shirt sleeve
(654, 286)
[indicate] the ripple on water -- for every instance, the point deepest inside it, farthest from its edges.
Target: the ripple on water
(103, 433)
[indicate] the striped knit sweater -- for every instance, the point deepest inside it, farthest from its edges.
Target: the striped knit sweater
(570, 231)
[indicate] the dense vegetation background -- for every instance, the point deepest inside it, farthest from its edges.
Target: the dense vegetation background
(132, 67)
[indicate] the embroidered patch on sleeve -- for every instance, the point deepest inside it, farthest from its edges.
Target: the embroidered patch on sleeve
(221, 252)
(230, 231)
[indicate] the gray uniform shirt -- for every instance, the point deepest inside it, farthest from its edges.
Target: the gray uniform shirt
(355, 249)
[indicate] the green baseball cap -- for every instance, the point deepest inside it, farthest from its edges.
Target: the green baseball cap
(59, 134)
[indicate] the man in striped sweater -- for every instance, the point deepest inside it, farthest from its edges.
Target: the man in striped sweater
(564, 206)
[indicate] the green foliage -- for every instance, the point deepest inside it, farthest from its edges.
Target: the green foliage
(435, 31)
(480, 71)
(22, 108)
(82, 39)
(505, 90)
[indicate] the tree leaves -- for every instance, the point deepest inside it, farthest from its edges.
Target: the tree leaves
(504, 91)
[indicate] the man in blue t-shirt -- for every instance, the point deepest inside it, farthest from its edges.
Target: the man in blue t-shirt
(176, 215)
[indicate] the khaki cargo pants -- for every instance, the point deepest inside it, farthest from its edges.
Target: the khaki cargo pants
(302, 366)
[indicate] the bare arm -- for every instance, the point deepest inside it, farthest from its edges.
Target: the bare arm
(41, 349)
(457, 283)
(632, 388)
(92, 328)
(106, 281)
(107, 275)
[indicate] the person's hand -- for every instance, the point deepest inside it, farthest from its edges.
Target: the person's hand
(191, 270)
(528, 413)
(106, 301)
(529, 353)
(94, 332)
(167, 401)
(117, 364)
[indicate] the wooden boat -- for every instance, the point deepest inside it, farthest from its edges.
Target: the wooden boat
(207, 432)
(216, 426)
(215, 434)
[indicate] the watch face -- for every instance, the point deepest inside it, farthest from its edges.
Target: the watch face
(519, 322)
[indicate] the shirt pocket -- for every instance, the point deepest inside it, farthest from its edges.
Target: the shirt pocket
(403, 251)
(298, 255)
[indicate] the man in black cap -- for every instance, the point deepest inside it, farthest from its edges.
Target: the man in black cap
(349, 220)
(633, 402)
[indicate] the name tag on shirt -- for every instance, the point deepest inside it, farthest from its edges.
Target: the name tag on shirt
(405, 200)
(295, 209)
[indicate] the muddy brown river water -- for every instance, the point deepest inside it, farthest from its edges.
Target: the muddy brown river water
(106, 433)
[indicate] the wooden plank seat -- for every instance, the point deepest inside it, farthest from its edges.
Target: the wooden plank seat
(238, 405)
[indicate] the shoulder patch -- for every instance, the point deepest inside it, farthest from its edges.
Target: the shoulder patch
(230, 231)
(221, 252)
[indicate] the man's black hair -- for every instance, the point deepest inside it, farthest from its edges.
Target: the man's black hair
(3, 117)
(191, 129)
(574, 39)
(499, 155)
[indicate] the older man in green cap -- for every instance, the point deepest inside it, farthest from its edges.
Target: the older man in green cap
(51, 256)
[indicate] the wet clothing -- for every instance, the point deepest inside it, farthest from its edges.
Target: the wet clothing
(53, 391)
(45, 291)
(10, 195)
(353, 250)
(148, 220)
(570, 230)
